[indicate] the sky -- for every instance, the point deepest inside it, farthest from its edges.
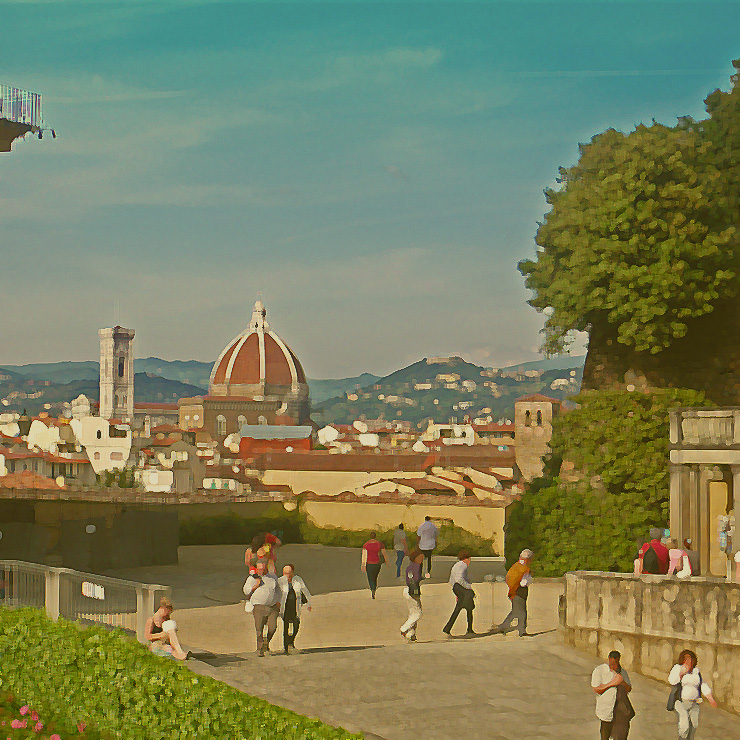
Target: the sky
(373, 170)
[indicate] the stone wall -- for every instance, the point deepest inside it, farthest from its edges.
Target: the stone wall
(650, 619)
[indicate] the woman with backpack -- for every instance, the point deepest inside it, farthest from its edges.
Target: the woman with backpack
(688, 688)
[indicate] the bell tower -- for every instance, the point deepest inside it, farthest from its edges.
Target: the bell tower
(117, 373)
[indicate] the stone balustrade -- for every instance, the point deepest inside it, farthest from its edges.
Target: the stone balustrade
(650, 619)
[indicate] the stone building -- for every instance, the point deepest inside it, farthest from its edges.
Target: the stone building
(117, 373)
(533, 417)
(257, 380)
(705, 483)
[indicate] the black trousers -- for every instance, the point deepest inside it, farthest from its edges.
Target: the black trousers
(465, 600)
(617, 729)
(428, 556)
(291, 623)
(373, 571)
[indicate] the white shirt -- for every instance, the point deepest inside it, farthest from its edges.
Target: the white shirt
(459, 574)
(399, 540)
(689, 683)
(428, 533)
(526, 579)
(299, 587)
(605, 702)
(268, 594)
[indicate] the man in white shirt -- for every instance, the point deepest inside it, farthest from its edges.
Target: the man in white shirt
(426, 541)
(263, 593)
(463, 591)
(293, 591)
(604, 680)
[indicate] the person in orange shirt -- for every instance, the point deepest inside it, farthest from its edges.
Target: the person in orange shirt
(518, 579)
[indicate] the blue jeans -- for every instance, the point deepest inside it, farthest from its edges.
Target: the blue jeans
(400, 555)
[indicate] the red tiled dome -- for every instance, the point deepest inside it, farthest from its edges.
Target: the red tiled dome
(257, 357)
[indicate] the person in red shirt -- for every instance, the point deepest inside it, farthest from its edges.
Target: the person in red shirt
(660, 550)
(372, 551)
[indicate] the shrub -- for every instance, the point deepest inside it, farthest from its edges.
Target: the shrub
(591, 518)
(232, 529)
(104, 679)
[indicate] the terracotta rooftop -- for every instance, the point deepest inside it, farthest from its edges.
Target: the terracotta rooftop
(538, 397)
(166, 429)
(28, 479)
(429, 499)
(326, 461)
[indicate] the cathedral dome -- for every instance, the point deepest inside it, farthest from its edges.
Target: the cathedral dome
(257, 362)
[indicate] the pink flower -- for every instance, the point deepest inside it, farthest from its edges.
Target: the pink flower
(81, 727)
(38, 727)
(19, 724)
(55, 737)
(25, 709)
(35, 716)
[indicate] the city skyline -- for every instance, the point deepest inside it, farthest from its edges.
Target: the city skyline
(374, 171)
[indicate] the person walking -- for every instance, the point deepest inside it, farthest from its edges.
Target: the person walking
(686, 675)
(463, 591)
(263, 547)
(373, 556)
(412, 594)
(426, 541)
(401, 546)
(263, 596)
(293, 592)
(518, 579)
(611, 684)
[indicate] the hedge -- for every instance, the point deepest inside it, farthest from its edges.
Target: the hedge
(294, 527)
(102, 678)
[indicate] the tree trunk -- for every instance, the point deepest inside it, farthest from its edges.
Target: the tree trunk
(706, 359)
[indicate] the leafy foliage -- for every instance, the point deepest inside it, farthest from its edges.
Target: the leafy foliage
(641, 238)
(604, 485)
(58, 666)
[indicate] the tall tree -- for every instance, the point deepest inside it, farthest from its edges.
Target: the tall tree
(641, 249)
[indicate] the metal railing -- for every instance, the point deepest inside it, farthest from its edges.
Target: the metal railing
(82, 597)
(20, 106)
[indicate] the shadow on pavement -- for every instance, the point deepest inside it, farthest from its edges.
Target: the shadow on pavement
(339, 649)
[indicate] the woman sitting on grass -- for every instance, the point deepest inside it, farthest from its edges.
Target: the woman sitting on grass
(161, 632)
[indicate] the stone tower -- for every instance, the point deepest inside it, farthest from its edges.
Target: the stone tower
(533, 417)
(117, 373)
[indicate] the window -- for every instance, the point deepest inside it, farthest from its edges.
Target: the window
(121, 366)
(527, 418)
(539, 418)
(221, 425)
(96, 456)
(116, 456)
(241, 421)
(262, 421)
(99, 434)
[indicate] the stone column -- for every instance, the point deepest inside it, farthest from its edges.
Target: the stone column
(693, 530)
(676, 503)
(706, 474)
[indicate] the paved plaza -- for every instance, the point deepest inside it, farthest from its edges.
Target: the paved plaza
(356, 671)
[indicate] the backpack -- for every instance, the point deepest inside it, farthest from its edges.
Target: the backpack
(650, 562)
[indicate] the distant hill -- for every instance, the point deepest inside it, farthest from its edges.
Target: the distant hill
(554, 363)
(322, 390)
(23, 392)
(447, 390)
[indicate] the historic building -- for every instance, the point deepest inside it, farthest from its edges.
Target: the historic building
(257, 380)
(117, 373)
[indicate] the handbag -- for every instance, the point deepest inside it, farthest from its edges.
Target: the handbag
(623, 706)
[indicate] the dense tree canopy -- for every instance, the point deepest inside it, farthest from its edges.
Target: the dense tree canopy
(604, 485)
(643, 235)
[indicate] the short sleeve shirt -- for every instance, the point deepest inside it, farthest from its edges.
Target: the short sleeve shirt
(373, 548)
(605, 702)
(428, 536)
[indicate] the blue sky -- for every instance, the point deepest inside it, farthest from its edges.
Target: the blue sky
(375, 170)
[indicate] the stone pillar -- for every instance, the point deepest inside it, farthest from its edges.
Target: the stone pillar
(705, 532)
(693, 530)
(676, 503)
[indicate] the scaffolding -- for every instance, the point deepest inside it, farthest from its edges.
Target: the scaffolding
(21, 106)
